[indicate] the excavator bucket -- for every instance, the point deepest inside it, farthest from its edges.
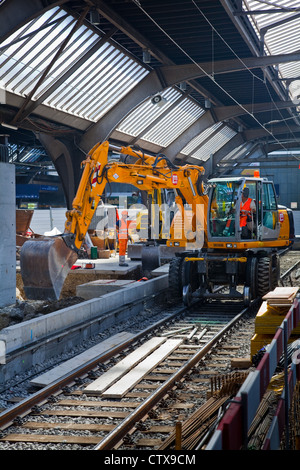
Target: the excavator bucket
(45, 264)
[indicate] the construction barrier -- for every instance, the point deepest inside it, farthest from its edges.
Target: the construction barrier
(272, 441)
(232, 430)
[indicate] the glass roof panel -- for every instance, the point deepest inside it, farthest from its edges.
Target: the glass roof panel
(281, 37)
(209, 142)
(146, 113)
(98, 83)
(174, 123)
(91, 90)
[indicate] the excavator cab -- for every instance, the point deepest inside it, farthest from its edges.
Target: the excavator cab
(242, 210)
(244, 233)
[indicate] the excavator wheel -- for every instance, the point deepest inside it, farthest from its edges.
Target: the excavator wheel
(176, 277)
(45, 264)
(187, 295)
(264, 276)
(251, 276)
(275, 276)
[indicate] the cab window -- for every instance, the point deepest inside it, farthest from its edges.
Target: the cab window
(222, 209)
(269, 206)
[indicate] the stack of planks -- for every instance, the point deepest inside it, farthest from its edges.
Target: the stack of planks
(274, 308)
(281, 296)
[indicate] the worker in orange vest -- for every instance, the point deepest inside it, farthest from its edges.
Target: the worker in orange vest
(123, 236)
(247, 209)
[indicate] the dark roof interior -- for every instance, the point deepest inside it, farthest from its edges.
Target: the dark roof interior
(232, 83)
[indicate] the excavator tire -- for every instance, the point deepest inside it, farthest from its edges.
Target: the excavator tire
(264, 276)
(251, 276)
(275, 272)
(176, 277)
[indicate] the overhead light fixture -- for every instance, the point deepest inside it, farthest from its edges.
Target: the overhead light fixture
(146, 56)
(94, 17)
(9, 126)
(158, 100)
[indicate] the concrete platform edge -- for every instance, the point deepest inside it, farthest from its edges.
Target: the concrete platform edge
(23, 334)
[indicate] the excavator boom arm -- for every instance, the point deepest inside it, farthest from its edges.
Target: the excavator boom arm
(145, 175)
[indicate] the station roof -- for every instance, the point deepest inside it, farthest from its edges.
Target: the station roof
(212, 82)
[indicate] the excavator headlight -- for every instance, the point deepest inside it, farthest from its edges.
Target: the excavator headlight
(228, 245)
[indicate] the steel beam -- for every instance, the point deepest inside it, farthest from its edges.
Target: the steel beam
(228, 112)
(179, 73)
(256, 133)
(66, 158)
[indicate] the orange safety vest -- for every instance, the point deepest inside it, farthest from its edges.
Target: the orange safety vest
(123, 229)
(245, 209)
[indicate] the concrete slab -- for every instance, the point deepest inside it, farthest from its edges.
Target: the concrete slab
(81, 359)
(93, 289)
(164, 269)
(107, 266)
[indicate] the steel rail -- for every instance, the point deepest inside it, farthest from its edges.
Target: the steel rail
(23, 408)
(128, 423)
(289, 271)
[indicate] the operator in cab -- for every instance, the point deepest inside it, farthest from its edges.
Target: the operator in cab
(247, 209)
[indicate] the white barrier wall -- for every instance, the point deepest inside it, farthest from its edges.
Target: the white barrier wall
(44, 220)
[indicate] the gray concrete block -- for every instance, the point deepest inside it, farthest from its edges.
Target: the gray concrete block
(78, 361)
(101, 287)
(7, 235)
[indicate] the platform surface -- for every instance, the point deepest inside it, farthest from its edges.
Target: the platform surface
(105, 266)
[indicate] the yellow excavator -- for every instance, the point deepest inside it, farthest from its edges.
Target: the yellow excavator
(45, 265)
(217, 249)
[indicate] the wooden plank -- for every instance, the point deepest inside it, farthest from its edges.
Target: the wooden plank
(281, 292)
(241, 363)
(77, 361)
(83, 440)
(144, 442)
(99, 404)
(281, 296)
(159, 428)
(122, 367)
(69, 426)
(166, 370)
(120, 388)
(87, 413)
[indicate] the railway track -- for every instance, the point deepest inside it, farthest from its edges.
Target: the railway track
(174, 404)
(66, 415)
